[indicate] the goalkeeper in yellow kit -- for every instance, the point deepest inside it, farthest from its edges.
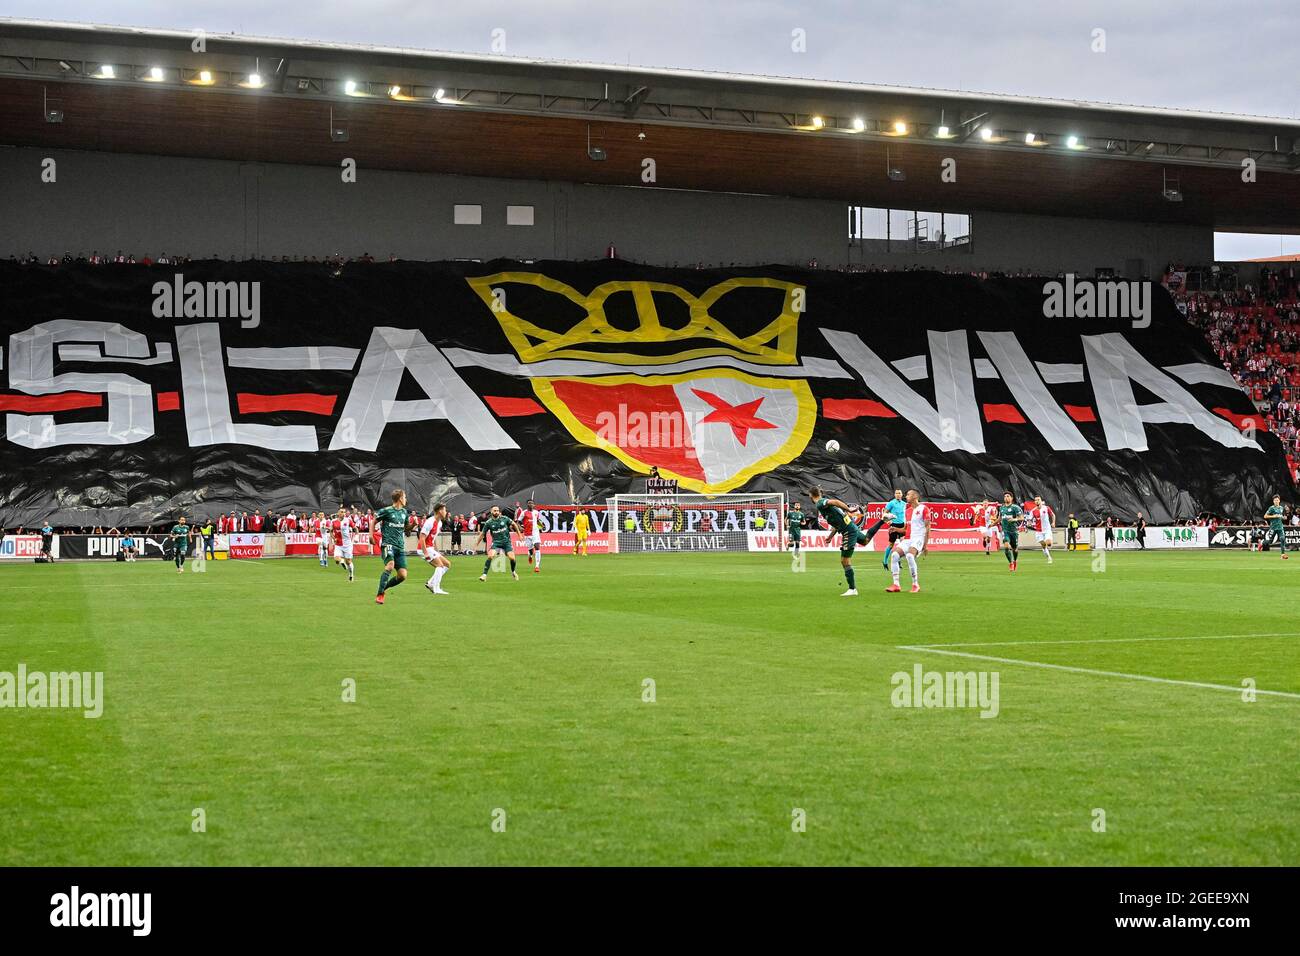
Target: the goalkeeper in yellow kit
(581, 526)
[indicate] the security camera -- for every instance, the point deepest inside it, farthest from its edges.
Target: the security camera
(641, 135)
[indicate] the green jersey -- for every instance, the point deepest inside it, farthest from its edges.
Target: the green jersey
(1010, 516)
(833, 515)
(1274, 514)
(794, 520)
(392, 527)
(498, 529)
(181, 537)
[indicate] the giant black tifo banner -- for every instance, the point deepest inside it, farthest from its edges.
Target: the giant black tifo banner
(132, 393)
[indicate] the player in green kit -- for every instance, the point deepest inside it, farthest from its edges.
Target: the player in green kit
(1009, 515)
(794, 521)
(498, 528)
(833, 510)
(391, 522)
(180, 535)
(1274, 516)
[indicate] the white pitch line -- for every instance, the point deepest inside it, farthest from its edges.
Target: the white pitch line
(1096, 673)
(1117, 640)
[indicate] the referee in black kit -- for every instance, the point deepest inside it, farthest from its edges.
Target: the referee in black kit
(1141, 526)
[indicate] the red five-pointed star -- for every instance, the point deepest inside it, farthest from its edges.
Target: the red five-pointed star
(739, 417)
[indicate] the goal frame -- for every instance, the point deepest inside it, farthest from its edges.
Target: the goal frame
(692, 522)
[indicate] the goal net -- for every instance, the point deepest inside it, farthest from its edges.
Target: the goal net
(693, 522)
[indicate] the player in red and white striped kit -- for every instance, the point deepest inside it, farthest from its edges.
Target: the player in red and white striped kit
(987, 516)
(427, 543)
(1043, 520)
(341, 529)
(531, 522)
(320, 527)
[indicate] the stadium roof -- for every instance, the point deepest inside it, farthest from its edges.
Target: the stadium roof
(546, 119)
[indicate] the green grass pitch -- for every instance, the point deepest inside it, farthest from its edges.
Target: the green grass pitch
(223, 691)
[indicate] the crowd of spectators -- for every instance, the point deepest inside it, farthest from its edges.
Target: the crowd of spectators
(1255, 331)
(335, 261)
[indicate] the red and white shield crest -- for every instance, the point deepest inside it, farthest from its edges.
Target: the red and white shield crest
(711, 430)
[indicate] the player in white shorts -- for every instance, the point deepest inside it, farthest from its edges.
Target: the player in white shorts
(322, 526)
(426, 545)
(343, 543)
(918, 532)
(1043, 519)
(531, 522)
(988, 514)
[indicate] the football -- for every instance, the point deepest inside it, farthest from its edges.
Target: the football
(832, 446)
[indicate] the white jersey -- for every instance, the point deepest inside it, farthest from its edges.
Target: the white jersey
(916, 529)
(431, 528)
(345, 531)
(1042, 518)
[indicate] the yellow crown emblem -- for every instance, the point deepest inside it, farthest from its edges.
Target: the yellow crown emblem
(594, 337)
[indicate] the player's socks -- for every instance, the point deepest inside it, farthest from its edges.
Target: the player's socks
(1007, 552)
(537, 559)
(487, 565)
(911, 567)
(437, 578)
(383, 581)
(893, 566)
(512, 565)
(393, 582)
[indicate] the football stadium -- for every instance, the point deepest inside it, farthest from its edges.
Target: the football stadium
(422, 458)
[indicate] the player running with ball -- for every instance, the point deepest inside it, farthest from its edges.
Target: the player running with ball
(1009, 514)
(498, 526)
(913, 545)
(834, 511)
(390, 523)
(426, 545)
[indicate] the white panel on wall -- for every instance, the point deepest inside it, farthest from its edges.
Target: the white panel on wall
(519, 215)
(468, 215)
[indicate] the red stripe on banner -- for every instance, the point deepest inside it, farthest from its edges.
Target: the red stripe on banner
(1081, 413)
(1003, 413)
(250, 404)
(846, 409)
(506, 407)
(1257, 421)
(169, 401)
(64, 402)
